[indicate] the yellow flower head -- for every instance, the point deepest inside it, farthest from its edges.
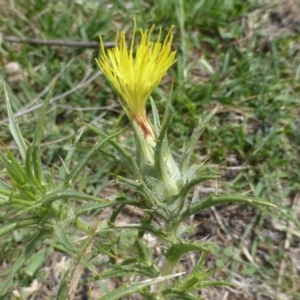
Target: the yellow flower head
(136, 75)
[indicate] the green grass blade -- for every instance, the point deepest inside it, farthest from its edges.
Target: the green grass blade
(71, 177)
(126, 157)
(26, 253)
(14, 128)
(64, 170)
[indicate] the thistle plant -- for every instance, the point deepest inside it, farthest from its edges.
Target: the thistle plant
(161, 184)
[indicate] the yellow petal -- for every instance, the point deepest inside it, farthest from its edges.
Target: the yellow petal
(136, 75)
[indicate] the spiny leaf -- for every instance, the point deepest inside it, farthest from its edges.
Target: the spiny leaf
(214, 200)
(63, 194)
(140, 187)
(143, 251)
(174, 253)
(196, 180)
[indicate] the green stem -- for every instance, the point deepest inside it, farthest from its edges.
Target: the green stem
(167, 267)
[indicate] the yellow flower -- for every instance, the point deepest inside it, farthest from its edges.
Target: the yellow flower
(136, 75)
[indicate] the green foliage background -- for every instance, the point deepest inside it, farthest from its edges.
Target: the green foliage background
(227, 55)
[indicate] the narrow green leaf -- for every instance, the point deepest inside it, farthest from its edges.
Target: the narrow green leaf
(174, 253)
(192, 183)
(214, 200)
(5, 186)
(178, 294)
(36, 155)
(94, 206)
(140, 187)
(143, 251)
(63, 289)
(64, 169)
(71, 177)
(200, 262)
(160, 153)
(168, 105)
(12, 166)
(6, 228)
(64, 194)
(26, 253)
(132, 287)
(37, 260)
(116, 212)
(186, 156)
(156, 121)
(32, 179)
(126, 157)
(14, 128)
(64, 240)
(39, 126)
(124, 271)
(194, 280)
(37, 165)
(14, 201)
(5, 192)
